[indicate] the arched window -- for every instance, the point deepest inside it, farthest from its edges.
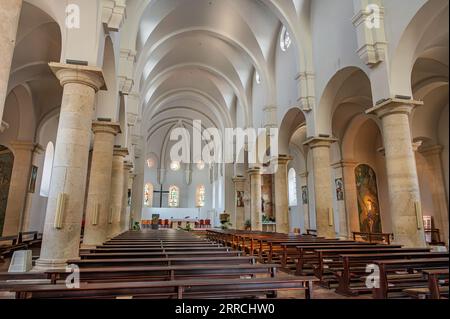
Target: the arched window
(174, 197)
(200, 196)
(257, 78)
(292, 177)
(285, 39)
(48, 168)
(148, 195)
(175, 166)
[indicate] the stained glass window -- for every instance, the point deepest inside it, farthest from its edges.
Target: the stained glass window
(201, 194)
(285, 39)
(174, 197)
(148, 195)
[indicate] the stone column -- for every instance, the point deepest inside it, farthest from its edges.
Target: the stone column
(62, 228)
(125, 213)
(97, 210)
(404, 193)
(18, 189)
(350, 195)
(432, 155)
(255, 198)
(116, 191)
(323, 192)
(239, 186)
(9, 22)
(282, 194)
(303, 181)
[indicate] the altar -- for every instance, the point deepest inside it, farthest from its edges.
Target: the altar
(179, 215)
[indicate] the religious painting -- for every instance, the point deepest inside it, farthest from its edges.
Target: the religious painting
(6, 166)
(368, 204)
(305, 195)
(33, 177)
(267, 196)
(339, 189)
(240, 199)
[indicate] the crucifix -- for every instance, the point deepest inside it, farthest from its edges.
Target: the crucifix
(161, 193)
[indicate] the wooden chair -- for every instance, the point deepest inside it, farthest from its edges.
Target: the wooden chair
(202, 223)
(208, 223)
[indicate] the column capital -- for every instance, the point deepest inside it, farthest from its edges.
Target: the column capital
(23, 146)
(128, 166)
(283, 159)
(254, 171)
(315, 142)
(431, 150)
(394, 106)
(239, 179)
(106, 127)
(344, 163)
(119, 151)
(87, 75)
(304, 174)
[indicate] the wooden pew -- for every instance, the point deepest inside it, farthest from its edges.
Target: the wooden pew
(351, 277)
(179, 272)
(437, 286)
(392, 282)
(176, 289)
(287, 252)
(330, 261)
(232, 260)
(160, 254)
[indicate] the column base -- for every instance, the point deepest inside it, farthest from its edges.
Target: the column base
(43, 265)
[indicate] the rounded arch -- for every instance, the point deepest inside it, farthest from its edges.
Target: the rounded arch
(427, 31)
(350, 84)
(292, 121)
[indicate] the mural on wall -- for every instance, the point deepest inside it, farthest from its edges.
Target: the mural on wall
(240, 199)
(6, 166)
(339, 189)
(305, 195)
(33, 177)
(267, 197)
(368, 204)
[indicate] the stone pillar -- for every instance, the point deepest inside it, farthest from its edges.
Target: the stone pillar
(282, 194)
(350, 196)
(62, 228)
(404, 193)
(116, 191)
(432, 155)
(255, 198)
(97, 210)
(303, 181)
(239, 186)
(125, 213)
(9, 22)
(323, 192)
(18, 189)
